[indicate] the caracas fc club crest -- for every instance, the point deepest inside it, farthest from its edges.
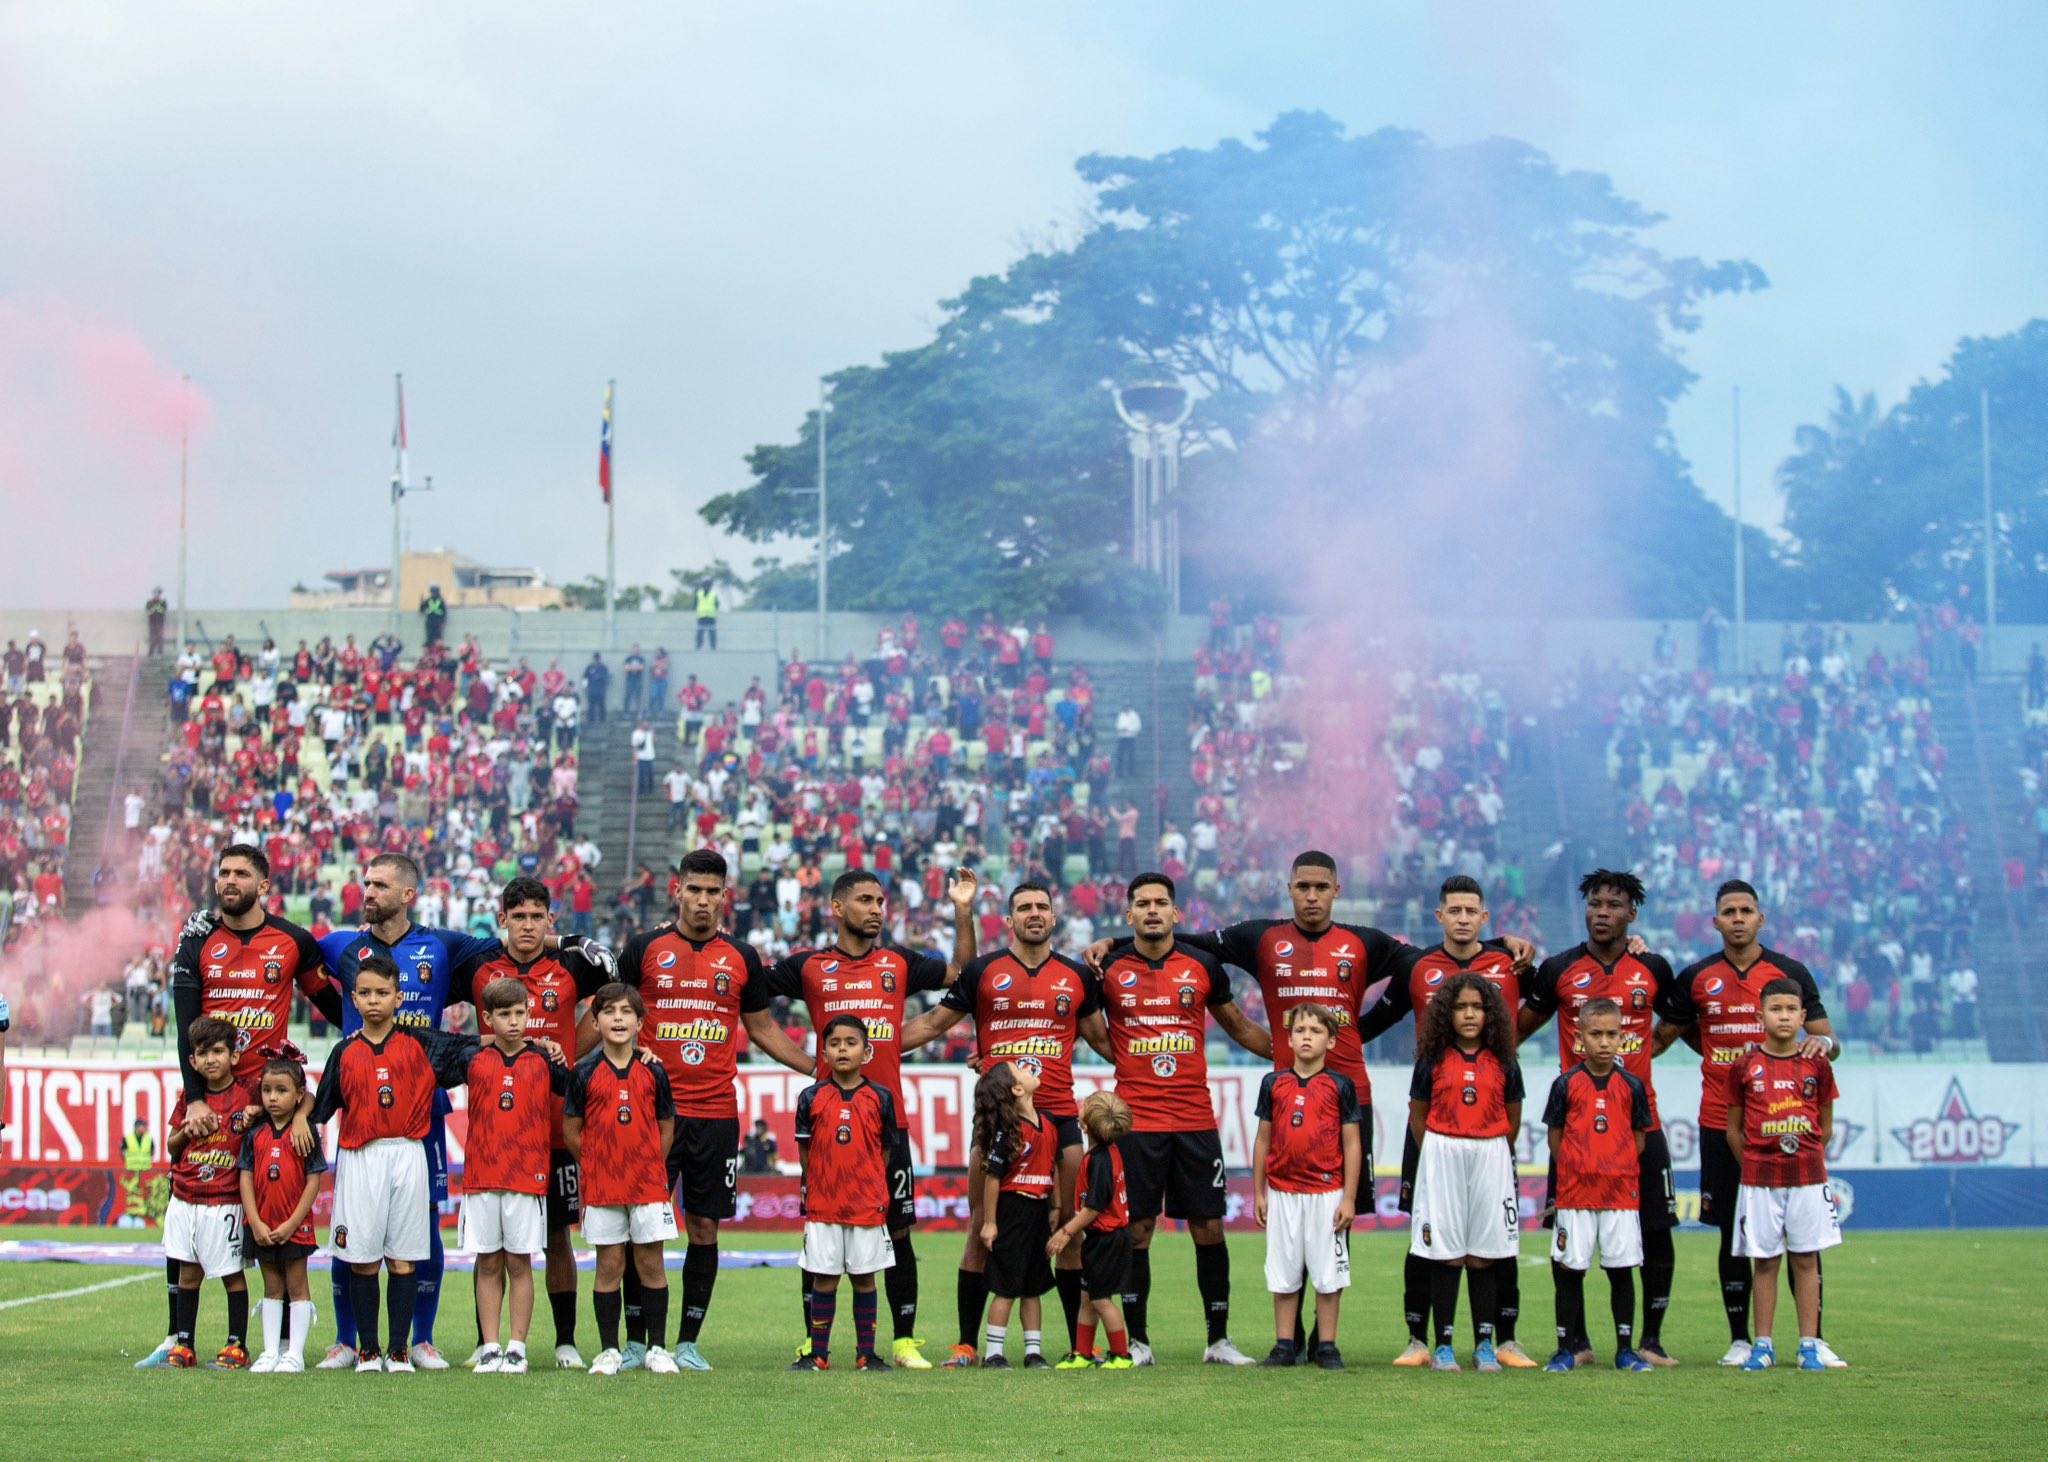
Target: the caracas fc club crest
(1639, 999)
(889, 981)
(1808, 1087)
(425, 970)
(273, 971)
(1187, 998)
(550, 1000)
(722, 983)
(1343, 971)
(1061, 1004)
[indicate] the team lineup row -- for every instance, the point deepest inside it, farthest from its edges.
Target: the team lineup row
(654, 1060)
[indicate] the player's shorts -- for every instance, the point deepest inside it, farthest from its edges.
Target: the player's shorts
(902, 1187)
(1179, 1171)
(1106, 1261)
(1301, 1234)
(516, 1223)
(565, 1190)
(1466, 1202)
(282, 1256)
(842, 1248)
(705, 1155)
(1616, 1232)
(637, 1223)
(1018, 1267)
(1659, 1196)
(1411, 1154)
(1067, 1131)
(381, 1205)
(207, 1234)
(1720, 1179)
(1769, 1221)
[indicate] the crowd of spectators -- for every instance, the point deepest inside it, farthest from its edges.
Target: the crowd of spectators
(45, 697)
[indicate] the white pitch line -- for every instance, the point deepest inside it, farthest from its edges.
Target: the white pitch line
(65, 1294)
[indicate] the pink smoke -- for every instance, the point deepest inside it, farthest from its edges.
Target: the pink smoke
(56, 962)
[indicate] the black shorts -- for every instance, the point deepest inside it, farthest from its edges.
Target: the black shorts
(1069, 1132)
(705, 1156)
(1179, 1171)
(1018, 1266)
(565, 1190)
(902, 1184)
(1106, 1262)
(1411, 1154)
(1720, 1180)
(1660, 1198)
(276, 1256)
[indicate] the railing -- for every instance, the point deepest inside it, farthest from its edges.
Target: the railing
(2020, 944)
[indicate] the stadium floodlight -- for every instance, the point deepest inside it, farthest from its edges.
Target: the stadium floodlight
(1153, 412)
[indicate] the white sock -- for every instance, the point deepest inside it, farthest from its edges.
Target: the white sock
(302, 1327)
(1031, 1342)
(272, 1313)
(515, 1347)
(1809, 1340)
(992, 1338)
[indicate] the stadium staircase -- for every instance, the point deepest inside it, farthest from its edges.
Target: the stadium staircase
(1981, 725)
(1164, 693)
(605, 785)
(123, 743)
(1563, 793)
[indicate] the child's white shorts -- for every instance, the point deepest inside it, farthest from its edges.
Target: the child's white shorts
(841, 1248)
(1768, 1221)
(206, 1234)
(1616, 1232)
(639, 1223)
(1301, 1233)
(383, 1207)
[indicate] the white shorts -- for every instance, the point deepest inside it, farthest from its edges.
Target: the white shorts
(841, 1248)
(206, 1234)
(638, 1223)
(1616, 1232)
(1301, 1233)
(516, 1223)
(1768, 1221)
(1466, 1201)
(383, 1206)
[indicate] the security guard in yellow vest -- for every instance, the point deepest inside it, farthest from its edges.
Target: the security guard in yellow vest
(707, 616)
(138, 1149)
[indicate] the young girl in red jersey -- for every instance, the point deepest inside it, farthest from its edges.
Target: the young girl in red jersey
(1020, 1150)
(1102, 1211)
(278, 1189)
(1465, 1105)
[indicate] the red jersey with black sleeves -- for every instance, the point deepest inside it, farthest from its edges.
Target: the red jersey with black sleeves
(846, 1133)
(1023, 1158)
(1158, 1017)
(1433, 968)
(1029, 1016)
(386, 1088)
(207, 1171)
(696, 997)
(555, 985)
(1102, 1188)
(1640, 985)
(623, 1161)
(279, 1175)
(512, 1106)
(872, 986)
(247, 977)
(1305, 1150)
(1722, 1001)
(1780, 1099)
(1597, 1119)
(1469, 1092)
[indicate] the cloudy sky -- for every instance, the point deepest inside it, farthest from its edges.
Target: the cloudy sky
(716, 203)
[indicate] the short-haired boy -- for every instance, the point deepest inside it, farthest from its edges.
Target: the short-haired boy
(1598, 1118)
(1781, 1113)
(619, 1119)
(203, 1223)
(843, 1130)
(1305, 1170)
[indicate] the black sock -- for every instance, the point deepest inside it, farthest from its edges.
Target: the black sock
(607, 1303)
(1485, 1284)
(900, 1280)
(631, 1298)
(1212, 1278)
(1819, 1295)
(1415, 1278)
(1302, 1311)
(1621, 1299)
(185, 1323)
(971, 1291)
(477, 1305)
(362, 1288)
(403, 1297)
(1660, 1262)
(1570, 1285)
(818, 1319)
(1444, 1280)
(1735, 1280)
(238, 1316)
(654, 1309)
(1508, 1283)
(700, 1277)
(1069, 1283)
(172, 1267)
(805, 1294)
(563, 1303)
(1138, 1296)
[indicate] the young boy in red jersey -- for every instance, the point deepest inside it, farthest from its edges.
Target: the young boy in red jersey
(278, 1189)
(1781, 1113)
(1305, 1170)
(846, 1191)
(1102, 1212)
(1598, 1118)
(512, 1085)
(619, 1119)
(203, 1224)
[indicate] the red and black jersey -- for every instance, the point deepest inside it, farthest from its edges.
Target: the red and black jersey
(1469, 1092)
(555, 983)
(1030, 1017)
(1102, 1188)
(1433, 968)
(1781, 1099)
(695, 995)
(512, 1107)
(1024, 1157)
(1305, 1150)
(1641, 986)
(206, 1171)
(1158, 1015)
(1722, 1000)
(1331, 967)
(623, 1159)
(246, 978)
(386, 1089)
(1598, 1118)
(279, 1176)
(845, 1134)
(832, 982)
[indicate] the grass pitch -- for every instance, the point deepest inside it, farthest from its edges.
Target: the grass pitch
(1943, 1332)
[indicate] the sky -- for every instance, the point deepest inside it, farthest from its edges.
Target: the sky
(513, 203)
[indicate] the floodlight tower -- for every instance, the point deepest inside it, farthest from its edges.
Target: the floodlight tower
(1153, 412)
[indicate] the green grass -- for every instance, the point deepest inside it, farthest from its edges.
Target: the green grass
(1943, 1332)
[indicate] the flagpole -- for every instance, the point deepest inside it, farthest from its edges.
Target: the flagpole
(611, 597)
(184, 471)
(398, 486)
